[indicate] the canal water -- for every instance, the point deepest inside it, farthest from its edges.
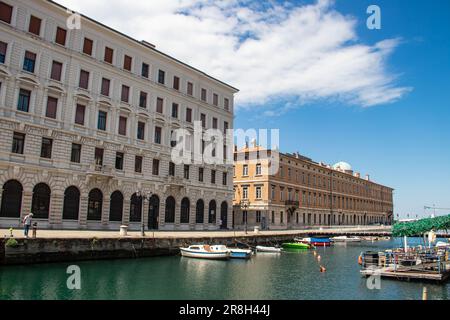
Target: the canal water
(293, 275)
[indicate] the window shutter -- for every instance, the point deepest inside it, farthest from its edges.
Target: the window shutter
(190, 88)
(109, 55)
(159, 105)
(125, 93)
(35, 25)
(56, 71)
(79, 115)
(5, 12)
(105, 87)
(123, 126)
(30, 55)
(52, 104)
(61, 36)
(84, 79)
(189, 115)
(87, 46)
(127, 63)
(176, 83)
(3, 47)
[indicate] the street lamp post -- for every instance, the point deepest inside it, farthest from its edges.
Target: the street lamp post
(143, 197)
(245, 205)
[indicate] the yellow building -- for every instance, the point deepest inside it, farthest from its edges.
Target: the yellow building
(303, 193)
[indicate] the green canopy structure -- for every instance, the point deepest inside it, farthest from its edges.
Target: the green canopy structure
(420, 227)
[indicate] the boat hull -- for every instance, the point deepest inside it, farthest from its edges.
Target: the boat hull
(244, 254)
(268, 249)
(295, 245)
(205, 255)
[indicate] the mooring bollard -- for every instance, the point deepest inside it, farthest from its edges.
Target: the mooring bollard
(424, 293)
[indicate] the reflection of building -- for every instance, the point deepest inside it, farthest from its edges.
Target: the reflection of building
(85, 122)
(304, 192)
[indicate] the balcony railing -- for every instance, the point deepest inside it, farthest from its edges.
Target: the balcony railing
(291, 203)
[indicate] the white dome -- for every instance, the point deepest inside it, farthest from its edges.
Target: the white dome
(342, 166)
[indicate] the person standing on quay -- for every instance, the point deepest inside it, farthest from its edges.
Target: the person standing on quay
(27, 223)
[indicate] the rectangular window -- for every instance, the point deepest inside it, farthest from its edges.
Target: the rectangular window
(101, 123)
(155, 167)
(176, 83)
(98, 156)
(245, 192)
(106, 83)
(46, 148)
(75, 155)
(258, 216)
(84, 79)
(190, 88)
(127, 61)
(159, 105)
(109, 53)
(245, 170)
(5, 12)
(226, 103)
(161, 76)
(87, 46)
(175, 110)
(258, 169)
(188, 115)
(186, 171)
(79, 114)
(145, 70)
(29, 61)
(225, 127)
(56, 71)
(200, 174)
(138, 164)
(143, 99)
(203, 94)
(125, 93)
(214, 123)
(18, 143)
(119, 160)
(258, 192)
(52, 104)
(61, 36)
(35, 25)
(141, 130)
(213, 176)
(158, 135)
(23, 103)
(171, 169)
(3, 48)
(215, 99)
(123, 126)
(224, 178)
(203, 119)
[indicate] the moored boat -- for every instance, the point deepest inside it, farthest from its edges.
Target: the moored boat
(236, 253)
(345, 239)
(268, 249)
(316, 242)
(295, 245)
(204, 251)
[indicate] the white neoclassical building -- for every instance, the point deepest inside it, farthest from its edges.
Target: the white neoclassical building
(86, 117)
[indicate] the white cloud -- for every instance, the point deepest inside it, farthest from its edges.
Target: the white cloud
(267, 50)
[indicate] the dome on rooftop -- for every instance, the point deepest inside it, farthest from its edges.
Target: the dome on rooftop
(342, 166)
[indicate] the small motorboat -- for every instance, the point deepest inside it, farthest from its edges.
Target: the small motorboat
(316, 242)
(204, 251)
(345, 239)
(237, 253)
(295, 245)
(442, 244)
(268, 249)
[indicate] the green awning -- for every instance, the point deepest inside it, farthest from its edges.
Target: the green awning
(420, 227)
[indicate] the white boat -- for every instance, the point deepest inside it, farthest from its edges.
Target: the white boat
(442, 244)
(236, 253)
(268, 249)
(345, 239)
(204, 251)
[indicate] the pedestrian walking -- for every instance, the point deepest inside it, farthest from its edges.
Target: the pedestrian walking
(27, 223)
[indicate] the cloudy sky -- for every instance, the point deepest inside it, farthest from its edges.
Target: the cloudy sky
(378, 99)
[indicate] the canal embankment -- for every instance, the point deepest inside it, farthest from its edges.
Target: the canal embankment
(64, 246)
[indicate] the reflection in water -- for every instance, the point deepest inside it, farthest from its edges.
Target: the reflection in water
(292, 275)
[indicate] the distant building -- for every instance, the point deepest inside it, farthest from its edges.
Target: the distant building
(86, 117)
(304, 193)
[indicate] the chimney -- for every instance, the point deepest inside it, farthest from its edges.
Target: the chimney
(367, 177)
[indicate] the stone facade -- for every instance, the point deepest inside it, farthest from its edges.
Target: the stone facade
(31, 169)
(303, 193)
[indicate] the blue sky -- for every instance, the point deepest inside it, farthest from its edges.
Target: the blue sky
(378, 99)
(404, 144)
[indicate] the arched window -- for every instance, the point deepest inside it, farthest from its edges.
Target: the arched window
(116, 206)
(95, 204)
(135, 208)
(71, 203)
(212, 212)
(11, 199)
(200, 211)
(224, 215)
(170, 210)
(153, 212)
(40, 205)
(185, 210)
